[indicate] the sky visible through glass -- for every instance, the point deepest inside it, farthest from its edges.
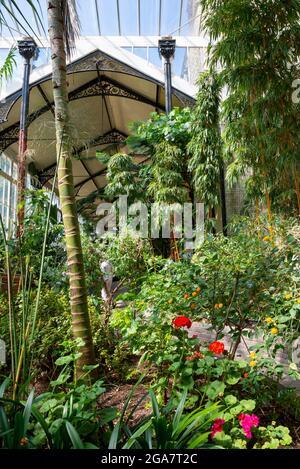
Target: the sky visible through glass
(127, 18)
(120, 17)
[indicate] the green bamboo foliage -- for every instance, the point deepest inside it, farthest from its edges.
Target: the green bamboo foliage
(122, 176)
(205, 147)
(257, 45)
(78, 294)
(167, 184)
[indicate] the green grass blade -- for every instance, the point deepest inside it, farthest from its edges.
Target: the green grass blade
(3, 387)
(27, 410)
(179, 410)
(40, 419)
(74, 436)
(113, 442)
(154, 404)
(199, 441)
(137, 434)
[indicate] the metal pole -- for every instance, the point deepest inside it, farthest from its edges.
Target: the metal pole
(166, 46)
(27, 48)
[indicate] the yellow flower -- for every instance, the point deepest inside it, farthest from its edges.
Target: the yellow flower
(266, 238)
(269, 320)
(252, 363)
(288, 296)
(252, 355)
(170, 301)
(298, 301)
(274, 330)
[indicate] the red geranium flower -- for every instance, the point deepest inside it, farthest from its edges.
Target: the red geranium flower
(217, 347)
(182, 321)
(194, 356)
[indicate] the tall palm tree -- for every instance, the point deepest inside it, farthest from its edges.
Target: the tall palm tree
(63, 26)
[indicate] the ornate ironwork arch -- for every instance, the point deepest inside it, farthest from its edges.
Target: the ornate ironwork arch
(103, 87)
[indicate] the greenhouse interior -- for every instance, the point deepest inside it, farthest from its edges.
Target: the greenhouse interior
(149, 228)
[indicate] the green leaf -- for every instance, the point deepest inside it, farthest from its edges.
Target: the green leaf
(114, 437)
(140, 431)
(179, 410)
(230, 399)
(214, 389)
(74, 436)
(27, 411)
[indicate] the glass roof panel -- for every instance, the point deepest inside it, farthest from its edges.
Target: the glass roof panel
(88, 15)
(128, 17)
(121, 17)
(190, 18)
(108, 15)
(170, 14)
(149, 17)
(154, 57)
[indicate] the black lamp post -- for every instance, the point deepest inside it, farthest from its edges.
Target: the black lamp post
(166, 47)
(27, 49)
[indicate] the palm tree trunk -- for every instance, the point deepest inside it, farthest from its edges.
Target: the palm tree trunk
(78, 294)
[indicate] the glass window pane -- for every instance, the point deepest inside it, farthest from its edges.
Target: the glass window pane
(108, 16)
(41, 58)
(129, 49)
(25, 15)
(179, 65)
(141, 52)
(87, 12)
(154, 57)
(128, 17)
(14, 171)
(170, 13)
(190, 18)
(196, 62)
(149, 17)
(36, 26)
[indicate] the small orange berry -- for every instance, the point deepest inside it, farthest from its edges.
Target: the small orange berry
(198, 289)
(194, 293)
(246, 375)
(193, 306)
(186, 296)
(216, 305)
(220, 305)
